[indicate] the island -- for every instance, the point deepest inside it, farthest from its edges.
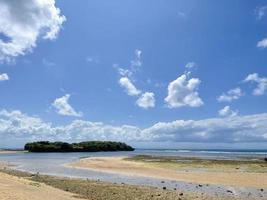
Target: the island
(87, 146)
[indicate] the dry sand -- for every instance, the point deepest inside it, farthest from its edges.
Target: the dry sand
(120, 166)
(11, 151)
(14, 188)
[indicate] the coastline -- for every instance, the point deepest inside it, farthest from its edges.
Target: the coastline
(100, 189)
(3, 151)
(32, 186)
(13, 187)
(119, 165)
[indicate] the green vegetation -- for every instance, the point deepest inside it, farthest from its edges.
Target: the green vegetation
(88, 146)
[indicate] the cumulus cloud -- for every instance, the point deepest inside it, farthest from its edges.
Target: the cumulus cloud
(231, 95)
(262, 43)
(63, 107)
(129, 86)
(260, 81)
(183, 92)
(146, 100)
(4, 77)
(23, 22)
(17, 126)
(227, 112)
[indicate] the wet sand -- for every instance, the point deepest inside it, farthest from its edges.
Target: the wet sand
(119, 165)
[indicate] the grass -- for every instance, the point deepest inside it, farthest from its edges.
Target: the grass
(98, 190)
(198, 164)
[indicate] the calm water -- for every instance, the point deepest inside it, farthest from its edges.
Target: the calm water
(53, 164)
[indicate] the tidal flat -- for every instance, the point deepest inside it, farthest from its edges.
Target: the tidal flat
(244, 164)
(88, 189)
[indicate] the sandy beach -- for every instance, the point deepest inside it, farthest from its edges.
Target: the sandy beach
(11, 151)
(17, 185)
(121, 166)
(15, 188)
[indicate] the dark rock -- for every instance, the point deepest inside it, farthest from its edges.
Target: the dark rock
(162, 181)
(200, 185)
(229, 191)
(181, 194)
(265, 159)
(164, 188)
(174, 188)
(261, 190)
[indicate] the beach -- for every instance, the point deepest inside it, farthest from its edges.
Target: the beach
(12, 187)
(121, 165)
(130, 176)
(16, 185)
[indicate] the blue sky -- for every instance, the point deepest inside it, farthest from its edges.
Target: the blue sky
(123, 62)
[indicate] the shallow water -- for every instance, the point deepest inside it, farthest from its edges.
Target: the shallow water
(53, 164)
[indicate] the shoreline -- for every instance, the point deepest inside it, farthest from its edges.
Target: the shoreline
(31, 186)
(118, 165)
(3, 151)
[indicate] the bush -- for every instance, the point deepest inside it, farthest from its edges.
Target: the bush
(88, 146)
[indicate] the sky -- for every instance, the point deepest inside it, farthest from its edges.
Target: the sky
(153, 74)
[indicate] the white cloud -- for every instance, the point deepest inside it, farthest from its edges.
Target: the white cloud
(261, 83)
(183, 92)
(125, 72)
(23, 22)
(262, 43)
(190, 65)
(231, 95)
(63, 107)
(16, 126)
(129, 86)
(227, 112)
(261, 11)
(146, 100)
(137, 62)
(4, 77)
